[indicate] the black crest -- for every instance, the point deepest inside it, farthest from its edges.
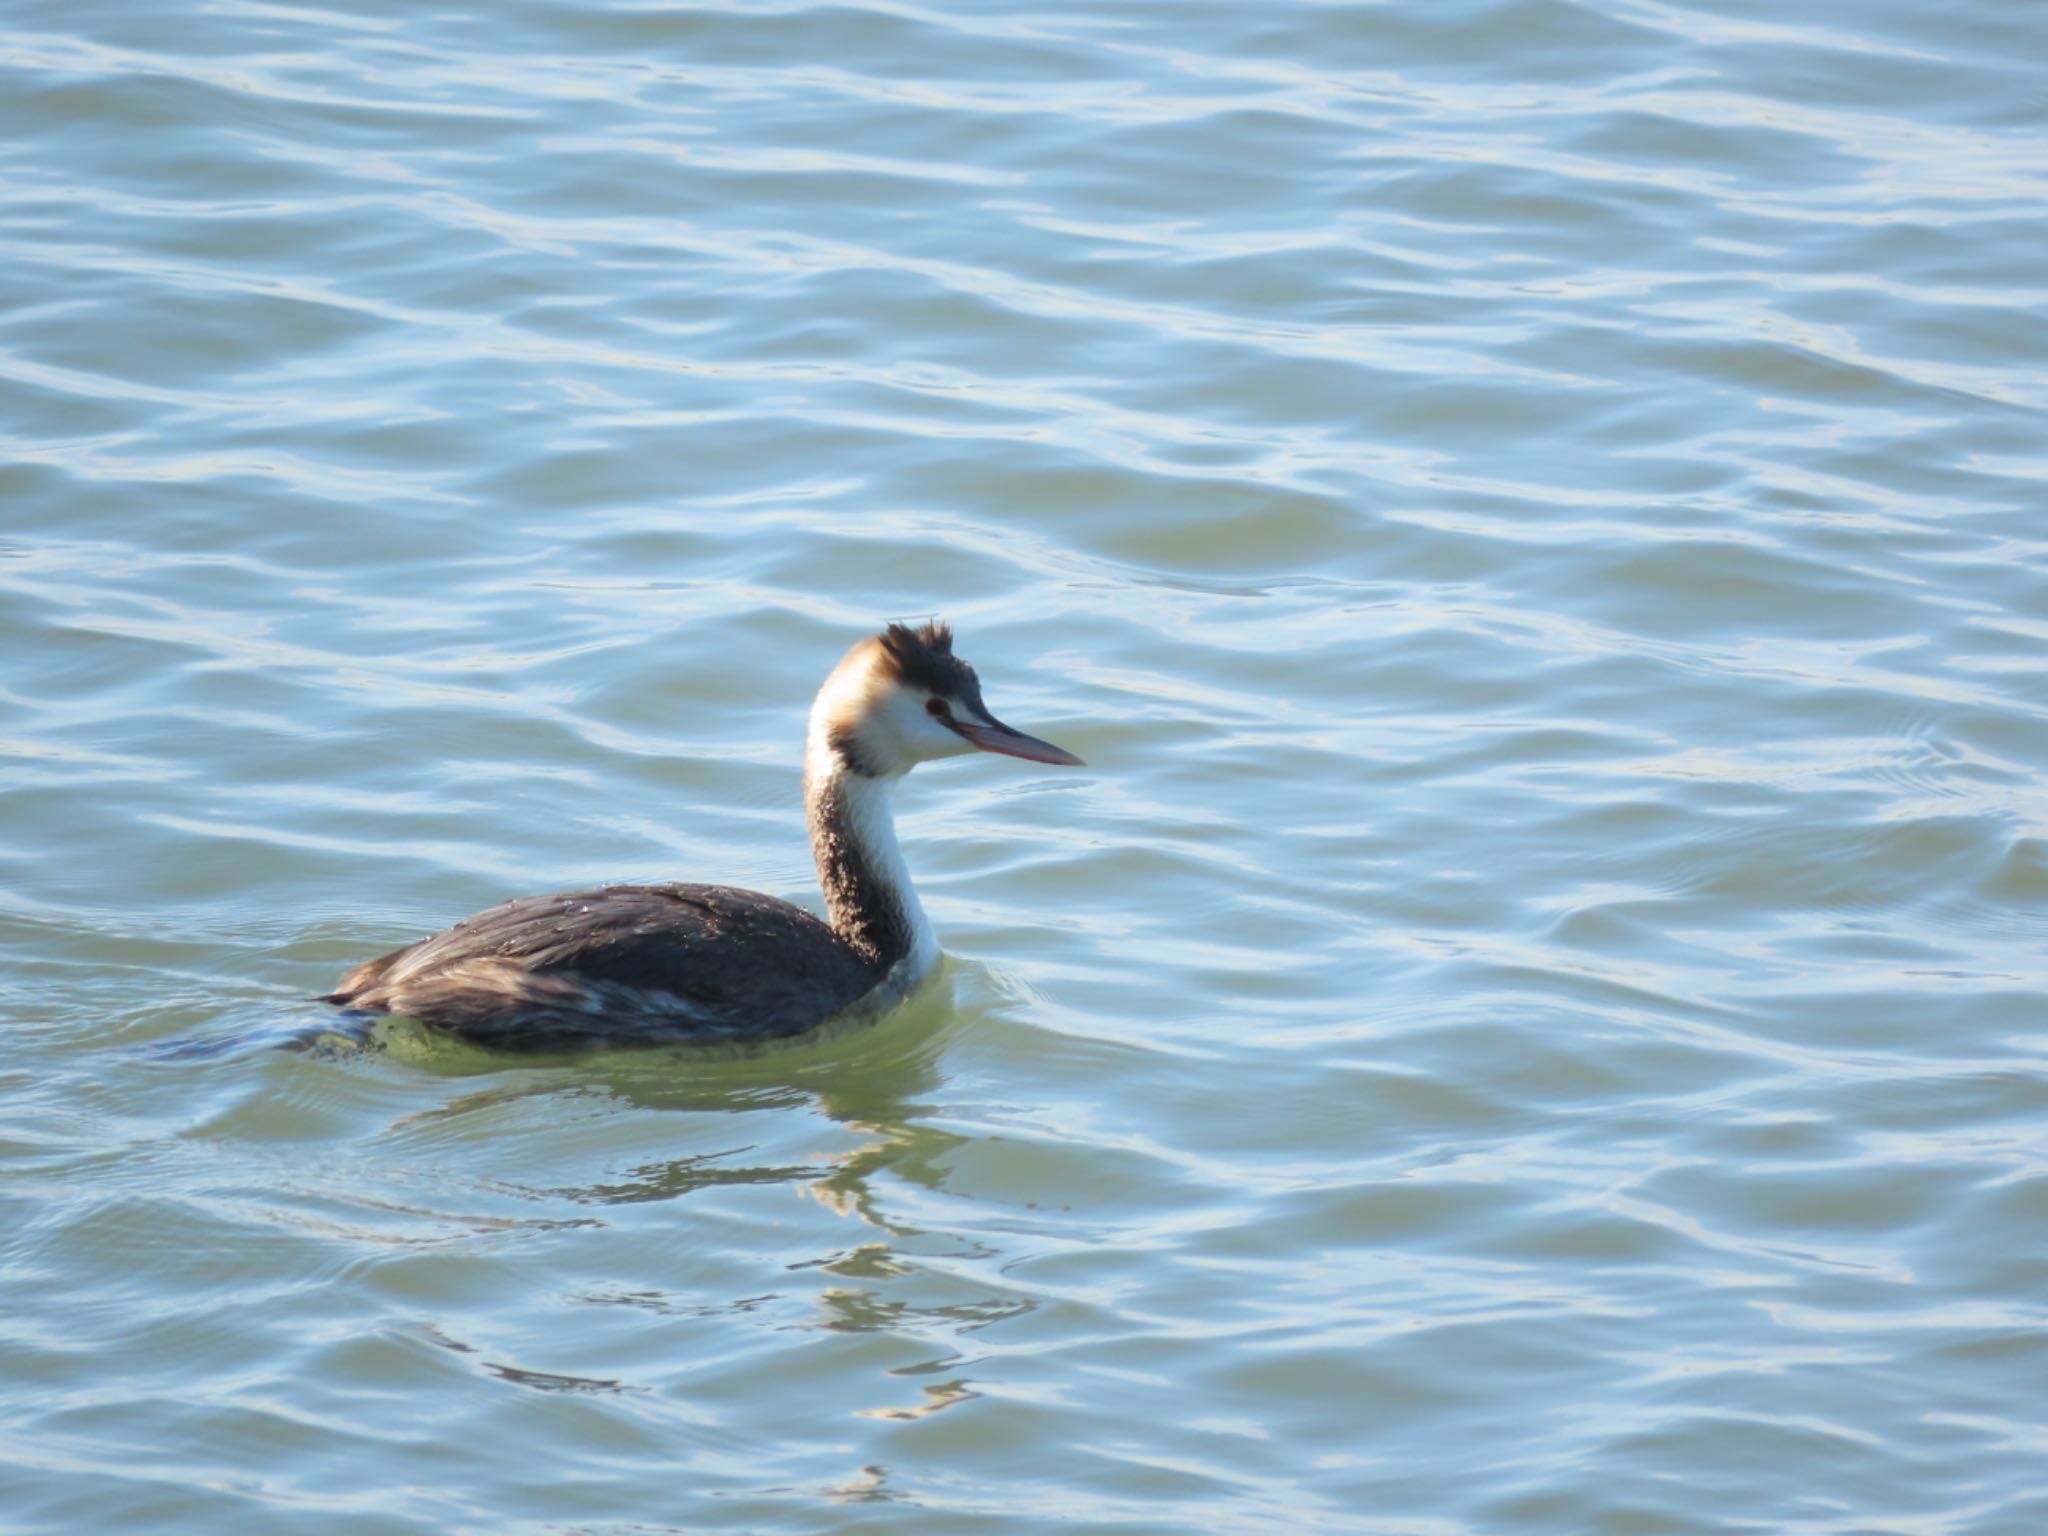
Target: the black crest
(924, 658)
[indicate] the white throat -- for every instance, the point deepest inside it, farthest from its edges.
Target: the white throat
(868, 894)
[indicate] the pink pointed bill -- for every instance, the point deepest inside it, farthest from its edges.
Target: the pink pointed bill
(1000, 738)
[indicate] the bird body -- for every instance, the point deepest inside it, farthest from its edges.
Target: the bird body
(702, 964)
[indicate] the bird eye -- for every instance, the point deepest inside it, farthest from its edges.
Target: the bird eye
(936, 708)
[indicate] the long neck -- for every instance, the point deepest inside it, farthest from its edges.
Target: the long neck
(868, 894)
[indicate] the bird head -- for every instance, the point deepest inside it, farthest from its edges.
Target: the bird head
(902, 698)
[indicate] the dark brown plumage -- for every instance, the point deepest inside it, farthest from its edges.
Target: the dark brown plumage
(624, 965)
(923, 657)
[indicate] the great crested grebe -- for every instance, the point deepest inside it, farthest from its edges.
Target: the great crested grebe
(682, 964)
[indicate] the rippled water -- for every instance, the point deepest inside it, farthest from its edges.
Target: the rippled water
(1533, 512)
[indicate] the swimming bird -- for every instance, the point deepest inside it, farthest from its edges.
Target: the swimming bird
(688, 964)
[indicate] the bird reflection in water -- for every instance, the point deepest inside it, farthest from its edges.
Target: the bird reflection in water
(869, 1082)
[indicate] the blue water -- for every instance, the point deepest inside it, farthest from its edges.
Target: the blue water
(1530, 1021)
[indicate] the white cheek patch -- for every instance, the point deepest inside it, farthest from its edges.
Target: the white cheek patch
(918, 735)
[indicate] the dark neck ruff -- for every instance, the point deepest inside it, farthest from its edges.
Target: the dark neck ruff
(864, 905)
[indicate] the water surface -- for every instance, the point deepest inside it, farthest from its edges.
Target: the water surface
(1532, 512)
